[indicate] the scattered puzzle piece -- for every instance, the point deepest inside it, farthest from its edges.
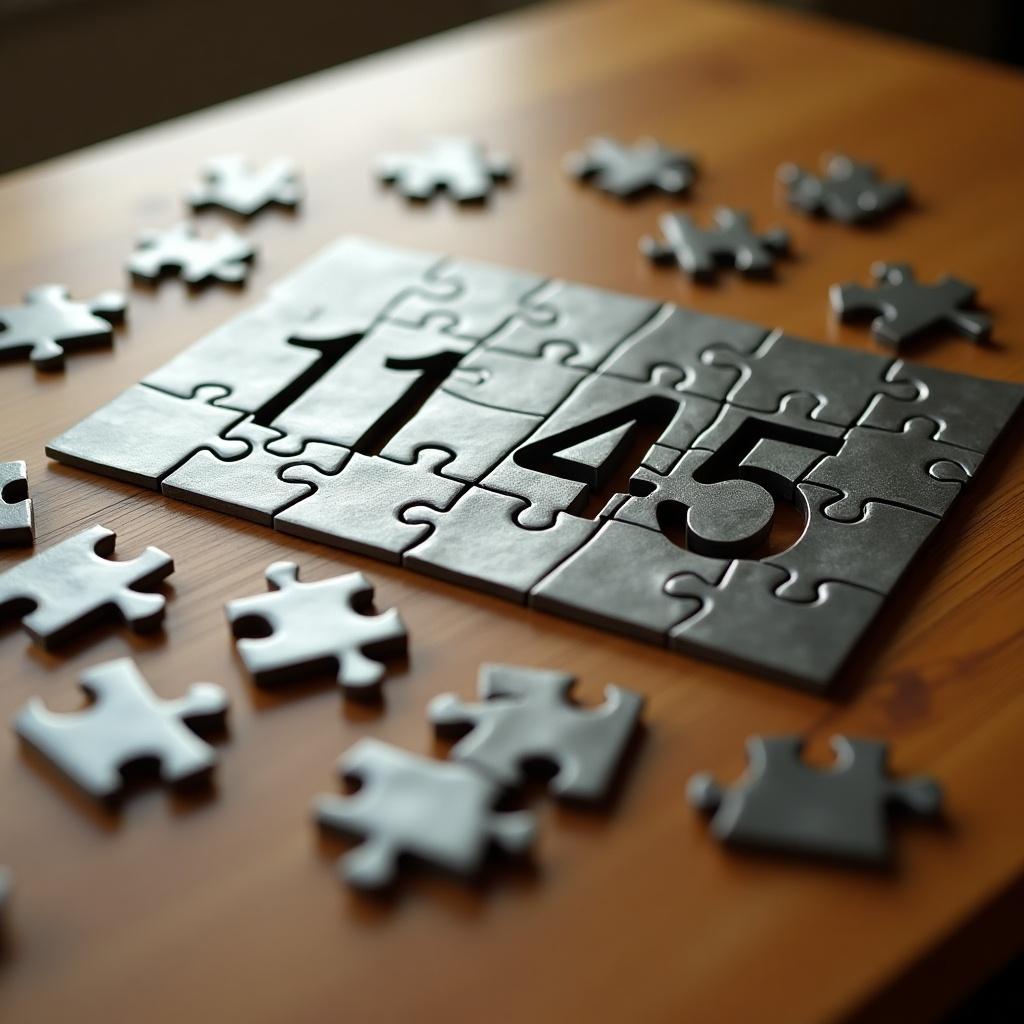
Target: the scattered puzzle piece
(234, 183)
(625, 171)
(435, 811)
(786, 805)
(458, 165)
(179, 249)
(126, 724)
(314, 626)
(908, 308)
(67, 587)
(698, 251)
(51, 323)
(849, 191)
(527, 715)
(16, 523)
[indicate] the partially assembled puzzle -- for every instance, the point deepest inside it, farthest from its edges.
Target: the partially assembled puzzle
(466, 420)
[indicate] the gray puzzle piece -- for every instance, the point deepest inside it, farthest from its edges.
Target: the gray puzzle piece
(251, 487)
(849, 191)
(743, 623)
(316, 626)
(6, 893)
(526, 715)
(698, 251)
(357, 508)
(871, 552)
(908, 468)
(17, 526)
(969, 411)
(435, 811)
(595, 321)
(617, 581)
(179, 249)
(69, 586)
(126, 724)
(236, 184)
(785, 805)
(456, 164)
(478, 543)
(51, 323)
(625, 171)
(144, 433)
(908, 308)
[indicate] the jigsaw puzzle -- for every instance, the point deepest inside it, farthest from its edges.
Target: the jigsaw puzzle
(599, 456)
(625, 171)
(17, 526)
(234, 183)
(180, 249)
(460, 166)
(849, 191)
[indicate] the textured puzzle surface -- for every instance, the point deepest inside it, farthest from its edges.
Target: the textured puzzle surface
(484, 425)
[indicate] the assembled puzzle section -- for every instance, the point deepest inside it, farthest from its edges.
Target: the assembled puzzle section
(599, 456)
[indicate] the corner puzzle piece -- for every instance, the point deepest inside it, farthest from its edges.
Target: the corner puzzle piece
(527, 715)
(843, 381)
(849, 191)
(435, 811)
(125, 724)
(66, 588)
(871, 552)
(144, 433)
(742, 622)
(625, 171)
(16, 523)
(697, 251)
(235, 184)
(458, 165)
(908, 468)
(179, 249)
(315, 626)
(478, 543)
(908, 308)
(617, 581)
(253, 486)
(970, 412)
(784, 804)
(51, 323)
(357, 508)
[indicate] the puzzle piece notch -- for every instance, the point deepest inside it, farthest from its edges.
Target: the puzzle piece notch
(436, 811)
(786, 805)
(67, 587)
(50, 323)
(126, 724)
(627, 170)
(236, 184)
(849, 191)
(225, 256)
(698, 251)
(459, 165)
(527, 715)
(316, 626)
(17, 526)
(908, 308)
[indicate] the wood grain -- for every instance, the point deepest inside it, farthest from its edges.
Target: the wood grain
(228, 909)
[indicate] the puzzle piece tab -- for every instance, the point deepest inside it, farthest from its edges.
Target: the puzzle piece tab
(234, 183)
(849, 191)
(180, 249)
(460, 166)
(16, 523)
(625, 171)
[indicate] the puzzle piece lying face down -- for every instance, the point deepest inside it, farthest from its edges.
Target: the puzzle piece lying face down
(525, 715)
(435, 811)
(783, 804)
(16, 525)
(126, 724)
(316, 626)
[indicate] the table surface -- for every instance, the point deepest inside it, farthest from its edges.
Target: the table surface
(228, 908)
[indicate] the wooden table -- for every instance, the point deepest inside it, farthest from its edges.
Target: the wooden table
(228, 908)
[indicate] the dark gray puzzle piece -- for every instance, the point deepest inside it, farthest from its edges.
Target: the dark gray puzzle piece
(526, 715)
(458, 165)
(849, 191)
(435, 811)
(314, 626)
(51, 323)
(625, 171)
(17, 526)
(126, 724)
(179, 249)
(67, 587)
(786, 805)
(908, 308)
(236, 184)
